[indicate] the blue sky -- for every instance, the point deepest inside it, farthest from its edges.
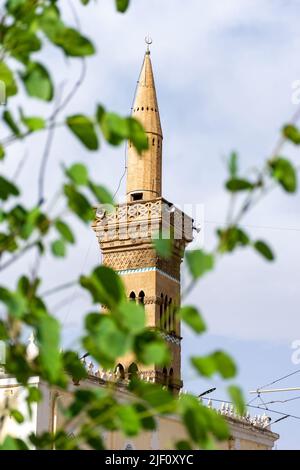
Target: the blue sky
(224, 74)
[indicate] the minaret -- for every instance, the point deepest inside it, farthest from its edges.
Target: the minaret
(144, 171)
(126, 239)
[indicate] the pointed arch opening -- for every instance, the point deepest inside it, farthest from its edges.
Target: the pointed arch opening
(161, 311)
(133, 370)
(142, 297)
(165, 376)
(132, 296)
(171, 379)
(170, 319)
(166, 313)
(120, 372)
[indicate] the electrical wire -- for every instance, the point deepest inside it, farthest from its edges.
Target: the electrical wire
(279, 380)
(266, 227)
(281, 401)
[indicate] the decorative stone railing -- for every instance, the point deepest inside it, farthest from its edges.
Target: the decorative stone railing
(141, 219)
(229, 411)
(117, 377)
(226, 409)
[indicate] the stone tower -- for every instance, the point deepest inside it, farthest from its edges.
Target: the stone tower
(126, 237)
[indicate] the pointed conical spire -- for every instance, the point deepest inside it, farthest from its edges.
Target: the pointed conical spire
(144, 171)
(145, 107)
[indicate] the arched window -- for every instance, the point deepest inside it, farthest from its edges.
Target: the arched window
(165, 376)
(142, 297)
(171, 379)
(174, 317)
(170, 315)
(132, 296)
(120, 372)
(166, 313)
(133, 370)
(153, 141)
(161, 311)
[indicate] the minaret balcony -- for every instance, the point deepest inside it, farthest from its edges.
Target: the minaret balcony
(139, 222)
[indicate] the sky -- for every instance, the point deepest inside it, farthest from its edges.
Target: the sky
(224, 73)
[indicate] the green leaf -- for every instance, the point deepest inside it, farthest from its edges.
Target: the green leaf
(78, 174)
(233, 165)
(7, 189)
(291, 133)
(105, 286)
(129, 420)
(7, 77)
(21, 42)
(38, 82)
(183, 445)
(78, 203)
(199, 262)
(17, 416)
(14, 301)
(237, 397)
(130, 316)
(74, 366)
(83, 127)
(116, 129)
(193, 318)
(7, 243)
(34, 123)
(102, 194)
(58, 248)
(262, 248)
(151, 349)
(34, 395)
(73, 43)
(65, 231)
(284, 172)
(9, 120)
(14, 5)
(68, 39)
(48, 336)
(137, 135)
(2, 152)
(11, 443)
(231, 238)
(154, 395)
(195, 418)
(163, 245)
(237, 184)
(202, 422)
(145, 415)
(217, 362)
(122, 5)
(3, 337)
(105, 341)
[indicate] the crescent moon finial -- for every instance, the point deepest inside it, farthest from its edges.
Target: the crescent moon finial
(148, 41)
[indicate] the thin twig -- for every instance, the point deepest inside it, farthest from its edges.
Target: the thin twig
(59, 288)
(18, 255)
(47, 150)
